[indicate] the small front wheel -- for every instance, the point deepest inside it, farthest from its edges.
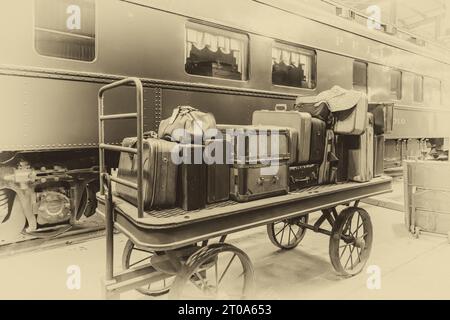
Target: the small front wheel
(351, 241)
(217, 271)
(134, 257)
(287, 234)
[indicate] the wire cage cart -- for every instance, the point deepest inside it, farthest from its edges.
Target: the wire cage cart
(185, 254)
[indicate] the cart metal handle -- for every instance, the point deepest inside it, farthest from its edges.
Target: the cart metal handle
(138, 115)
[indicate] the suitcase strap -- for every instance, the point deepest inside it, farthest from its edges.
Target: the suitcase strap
(155, 171)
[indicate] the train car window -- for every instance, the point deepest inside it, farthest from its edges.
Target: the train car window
(65, 29)
(360, 76)
(418, 88)
(432, 92)
(396, 84)
(216, 53)
(293, 66)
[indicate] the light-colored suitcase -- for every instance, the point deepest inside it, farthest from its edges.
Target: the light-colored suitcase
(256, 144)
(299, 121)
(352, 121)
(361, 160)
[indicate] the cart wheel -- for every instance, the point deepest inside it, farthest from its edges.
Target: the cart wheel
(135, 257)
(213, 272)
(351, 241)
(287, 234)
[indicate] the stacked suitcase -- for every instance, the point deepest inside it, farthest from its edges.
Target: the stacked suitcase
(308, 153)
(283, 150)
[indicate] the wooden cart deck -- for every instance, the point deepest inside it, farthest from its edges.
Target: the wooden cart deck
(175, 228)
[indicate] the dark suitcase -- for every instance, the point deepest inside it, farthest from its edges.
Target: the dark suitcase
(218, 170)
(343, 145)
(256, 182)
(253, 144)
(192, 182)
(317, 145)
(378, 167)
(303, 176)
(316, 110)
(160, 173)
(328, 168)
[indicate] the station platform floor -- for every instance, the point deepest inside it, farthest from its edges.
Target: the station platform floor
(409, 268)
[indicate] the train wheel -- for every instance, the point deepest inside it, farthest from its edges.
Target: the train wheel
(351, 241)
(217, 271)
(287, 234)
(134, 257)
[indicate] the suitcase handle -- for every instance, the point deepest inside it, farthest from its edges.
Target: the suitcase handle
(261, 180)
(281, 107)
(300, 180)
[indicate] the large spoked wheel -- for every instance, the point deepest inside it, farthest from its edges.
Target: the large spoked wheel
(287, 234)
(351, 241)
(216, 271)
(134, 257)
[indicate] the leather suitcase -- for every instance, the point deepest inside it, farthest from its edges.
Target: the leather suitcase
(328, 168)
(383, 117)
(343, 145)
(352, 121)
(256, 182)
(253, 144)
(378, 147)
(360, 160)
(160, 173)
(192, 181)
(303, 176)
(318, 132)
(316, 110)
(300, 122)
(217, 157)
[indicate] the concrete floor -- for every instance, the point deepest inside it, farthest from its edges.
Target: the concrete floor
(410, 268)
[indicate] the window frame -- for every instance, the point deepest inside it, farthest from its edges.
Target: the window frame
(62, 58)
(366, 64)
(440, 87)
(205, 26)
(400, 90)
(418, 76)
(313, 66)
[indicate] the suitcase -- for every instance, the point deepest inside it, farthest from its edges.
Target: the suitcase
(317, 148)
(218, 170)
(383, 117)
(343, 145)
(160, 173)
(328, 167)
(378, 166)
(360, 160)
(253, 144)
(300, 122)
(352, 121)
(192, 182)
(316, 110)
(257, 182)
(303, 176)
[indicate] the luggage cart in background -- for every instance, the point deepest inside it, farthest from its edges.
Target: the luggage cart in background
(173, 251)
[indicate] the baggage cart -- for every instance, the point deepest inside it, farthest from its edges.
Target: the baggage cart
(177, 250)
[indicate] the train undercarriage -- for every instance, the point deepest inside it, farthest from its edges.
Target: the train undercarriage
(44, 194)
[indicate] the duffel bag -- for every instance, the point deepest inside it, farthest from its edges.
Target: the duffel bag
(186, 125)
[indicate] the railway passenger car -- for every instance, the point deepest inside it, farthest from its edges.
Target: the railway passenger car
(226, 57)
